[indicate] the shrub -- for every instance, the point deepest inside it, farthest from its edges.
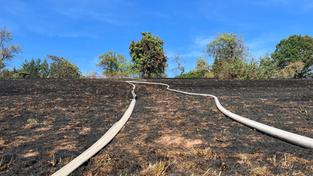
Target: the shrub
(34, 69)
(62, 68)
(267, 68)
(292, 70)
(193, 74)
(113, 64)
(231, 69)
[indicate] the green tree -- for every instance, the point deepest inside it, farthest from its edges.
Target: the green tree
(294, 48)
(227, 46)
(31, 68)
(7, 50)
(34, 69)
(228, 52)
(62, 68)
(148, 56)
(44, 69)
(250, 71)
(113, 64)
(267, 68)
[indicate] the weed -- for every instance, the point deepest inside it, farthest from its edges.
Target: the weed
(260, 171)
(157, 169)
(32, 122)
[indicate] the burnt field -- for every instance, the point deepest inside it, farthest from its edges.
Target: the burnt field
(46, 123)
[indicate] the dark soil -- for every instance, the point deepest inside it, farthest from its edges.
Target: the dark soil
(46, 123)
(168, 133)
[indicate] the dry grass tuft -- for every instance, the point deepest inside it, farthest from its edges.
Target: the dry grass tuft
(31, 122)
(260, 171)
(157, 169)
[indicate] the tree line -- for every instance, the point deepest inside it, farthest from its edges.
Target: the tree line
(292, 58)
(57, 67)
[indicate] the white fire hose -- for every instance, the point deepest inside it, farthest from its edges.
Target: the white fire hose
(112, 132)
(102, 142)
(293, 138)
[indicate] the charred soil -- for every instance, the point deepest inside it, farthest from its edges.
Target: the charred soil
(46, 123)
(168, 133)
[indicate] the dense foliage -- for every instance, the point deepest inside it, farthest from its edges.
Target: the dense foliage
(226, 47)
(62, 68)
(229, 53)
(148, 56)
(292, 58)
(202, 70)
(34, 69)
(113, 64)
(294, 48)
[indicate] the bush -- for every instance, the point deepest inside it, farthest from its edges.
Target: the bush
(230, 69)
(197, 74)
(193, 74)
(209, 74)
(237, 69)
(114, 64)
(292, 70)
(62, 68)
(34, 69)
(267, 68)
(4, 74)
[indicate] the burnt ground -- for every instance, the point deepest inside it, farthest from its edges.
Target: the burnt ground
(44, 124)
(168, 133)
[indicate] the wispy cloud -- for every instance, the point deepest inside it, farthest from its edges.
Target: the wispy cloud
(202, 41)
(196, 48)
(158, 14)
(63, 18)
(54, 31)
(303, 4)
(14, 7)
(263, 44)
(76, 13)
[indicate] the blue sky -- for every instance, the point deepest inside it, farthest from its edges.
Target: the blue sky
(81, 30)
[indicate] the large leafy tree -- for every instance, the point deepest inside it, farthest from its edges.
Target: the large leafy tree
(62, 68)
(148, 55)
(294, 48)
(226, 49)
(7, 50)
(112, 63)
